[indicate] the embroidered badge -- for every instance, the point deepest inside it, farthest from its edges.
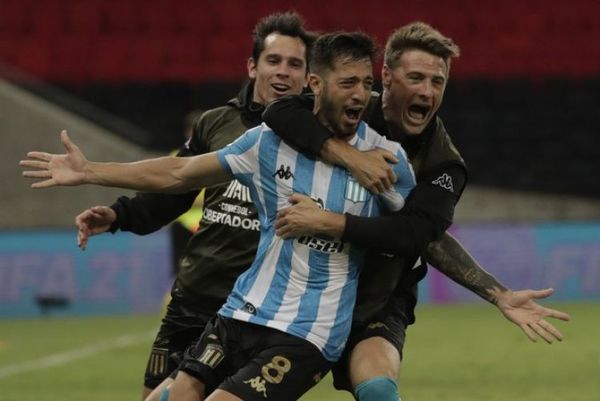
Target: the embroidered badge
(212, 356)
(157, 364)
(354, 191)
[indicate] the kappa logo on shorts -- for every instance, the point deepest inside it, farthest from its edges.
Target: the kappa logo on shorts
(377, 325)
(444, 181)
(272, 372)
(258, 384)
(212, 356)
(354, 191)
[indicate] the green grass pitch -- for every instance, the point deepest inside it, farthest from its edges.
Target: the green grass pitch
(462, 353)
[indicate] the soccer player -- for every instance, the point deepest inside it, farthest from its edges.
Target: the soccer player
(288, 316)
(415, 73)
(226, 242)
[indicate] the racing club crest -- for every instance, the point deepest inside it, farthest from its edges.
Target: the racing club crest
(354, 191)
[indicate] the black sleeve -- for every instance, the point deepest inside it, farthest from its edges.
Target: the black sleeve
(428, 212)
(148, 212)
(292, 118)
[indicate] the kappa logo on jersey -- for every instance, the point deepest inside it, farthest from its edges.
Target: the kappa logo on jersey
(444, 181)
(235, 190)
(354, 191)
(284, 173)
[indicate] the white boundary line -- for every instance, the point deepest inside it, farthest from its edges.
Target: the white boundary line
(74, 354)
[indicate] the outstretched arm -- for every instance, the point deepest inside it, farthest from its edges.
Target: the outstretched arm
(449, 257)
(165, 174)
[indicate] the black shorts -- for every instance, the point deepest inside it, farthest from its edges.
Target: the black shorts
(254, 362)
(181, 326)
(390, 326)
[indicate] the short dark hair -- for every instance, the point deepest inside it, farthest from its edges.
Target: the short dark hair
(331, 47)
(287, 23)
(421, 36)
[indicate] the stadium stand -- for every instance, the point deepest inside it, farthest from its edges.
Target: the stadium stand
(522, 93)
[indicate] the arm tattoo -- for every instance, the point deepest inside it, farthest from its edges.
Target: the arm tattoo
(449, 257)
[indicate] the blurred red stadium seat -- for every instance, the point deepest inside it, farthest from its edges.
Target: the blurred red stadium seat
(158, 17)
(48, 17)
(194, 18)
(185, 59)
(70, 58)
(230, 54)
(33, 56)
(84, 17)
(108, 60)
(121, 16)
(9, 48)
(147, 58)
(15, 17)
(151, 39)
(232, 19)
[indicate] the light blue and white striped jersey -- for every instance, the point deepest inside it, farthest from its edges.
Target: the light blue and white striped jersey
(304, 286)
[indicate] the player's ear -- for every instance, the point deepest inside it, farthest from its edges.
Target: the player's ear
(251, 65)
(386, 77)
(316, 83)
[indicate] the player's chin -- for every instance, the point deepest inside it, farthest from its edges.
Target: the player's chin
(414, 129)
(347, 130)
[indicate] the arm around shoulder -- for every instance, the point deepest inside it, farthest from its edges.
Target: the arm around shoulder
(292, 119)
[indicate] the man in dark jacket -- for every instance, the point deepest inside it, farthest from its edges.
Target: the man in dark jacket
(225, 244)
(415, 73)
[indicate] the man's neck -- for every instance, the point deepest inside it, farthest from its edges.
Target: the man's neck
(395, 133)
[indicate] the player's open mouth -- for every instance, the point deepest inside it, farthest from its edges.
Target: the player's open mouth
(418, 112)
(353, 113)
(280, 88)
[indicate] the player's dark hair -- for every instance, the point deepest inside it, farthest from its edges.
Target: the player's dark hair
(287, 23)
(350, 46)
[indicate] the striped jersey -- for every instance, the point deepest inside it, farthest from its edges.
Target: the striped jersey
(304, 286)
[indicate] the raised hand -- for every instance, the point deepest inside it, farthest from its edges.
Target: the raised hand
(93, 221)
(520, 308)
(67, 169)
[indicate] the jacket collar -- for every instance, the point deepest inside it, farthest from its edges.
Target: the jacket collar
(250, 110)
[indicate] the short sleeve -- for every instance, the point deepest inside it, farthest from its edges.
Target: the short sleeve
(241, 156)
